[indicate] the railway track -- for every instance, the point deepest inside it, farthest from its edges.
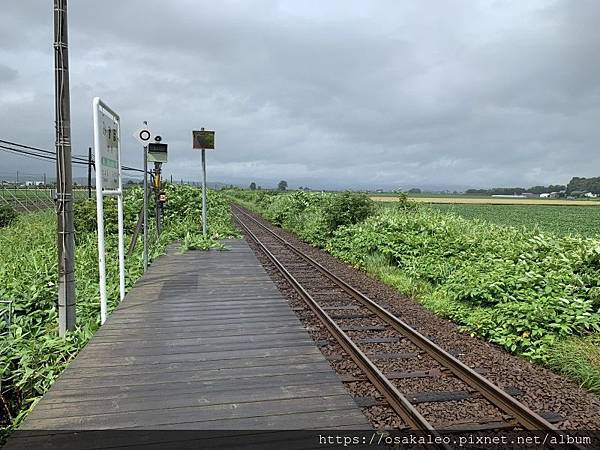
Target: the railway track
(376, 341)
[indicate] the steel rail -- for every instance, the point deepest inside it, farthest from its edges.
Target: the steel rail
(525, 416)
(395, 398)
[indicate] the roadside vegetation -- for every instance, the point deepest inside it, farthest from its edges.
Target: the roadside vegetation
(533, 292)
(32, 354)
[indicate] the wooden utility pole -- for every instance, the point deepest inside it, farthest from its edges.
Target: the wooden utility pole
(64, 177)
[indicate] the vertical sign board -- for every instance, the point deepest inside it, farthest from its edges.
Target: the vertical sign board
(107, 151)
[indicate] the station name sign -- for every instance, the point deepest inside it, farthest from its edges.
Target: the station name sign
(109, 149)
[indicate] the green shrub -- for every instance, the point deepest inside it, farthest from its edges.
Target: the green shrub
(313, 216)
(347, 208)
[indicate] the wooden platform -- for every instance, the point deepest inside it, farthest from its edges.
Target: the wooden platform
(204, 341)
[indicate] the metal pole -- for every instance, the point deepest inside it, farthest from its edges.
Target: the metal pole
(90, 172)
(145, 207)
(121, 225)
(203, 192)
(100, 224)
(64, 178)
(157, 175)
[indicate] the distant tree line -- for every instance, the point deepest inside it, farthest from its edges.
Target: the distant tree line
(517, 190)
(577, 185)
(584, 185)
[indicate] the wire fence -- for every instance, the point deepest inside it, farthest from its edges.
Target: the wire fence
(26, 198)
(30, 192)
(33, 198)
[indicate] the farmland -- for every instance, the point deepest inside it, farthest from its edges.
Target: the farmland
(534, 293)
(562, 220)
(482, 200)
(562, 217)
(32, 354)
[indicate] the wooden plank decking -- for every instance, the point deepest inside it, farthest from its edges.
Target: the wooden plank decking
(204, 341)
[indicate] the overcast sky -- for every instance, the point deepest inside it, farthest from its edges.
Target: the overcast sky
(341, 93)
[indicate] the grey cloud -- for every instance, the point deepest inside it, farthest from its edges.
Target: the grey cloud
(328, 93)
(7, 74)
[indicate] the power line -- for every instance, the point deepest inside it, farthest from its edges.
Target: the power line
(23, 152)
(26, 174)
(16, 144)
(37, 149)
(51, 156)
(35, 155)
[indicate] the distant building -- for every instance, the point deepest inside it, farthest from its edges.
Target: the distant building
(578, 193)
(558, 194)
(590, 195)
(508, 196)
(545, 195)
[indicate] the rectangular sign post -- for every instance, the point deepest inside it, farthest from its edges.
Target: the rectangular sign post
(107, 151)
(203, 140)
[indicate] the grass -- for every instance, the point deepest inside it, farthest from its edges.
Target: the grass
(579, 359)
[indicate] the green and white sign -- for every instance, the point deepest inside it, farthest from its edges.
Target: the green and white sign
(108, 149)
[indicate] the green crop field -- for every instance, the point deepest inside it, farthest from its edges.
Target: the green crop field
(562, 220)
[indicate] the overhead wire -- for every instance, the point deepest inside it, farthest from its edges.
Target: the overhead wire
(49, 155)
(22, 152)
